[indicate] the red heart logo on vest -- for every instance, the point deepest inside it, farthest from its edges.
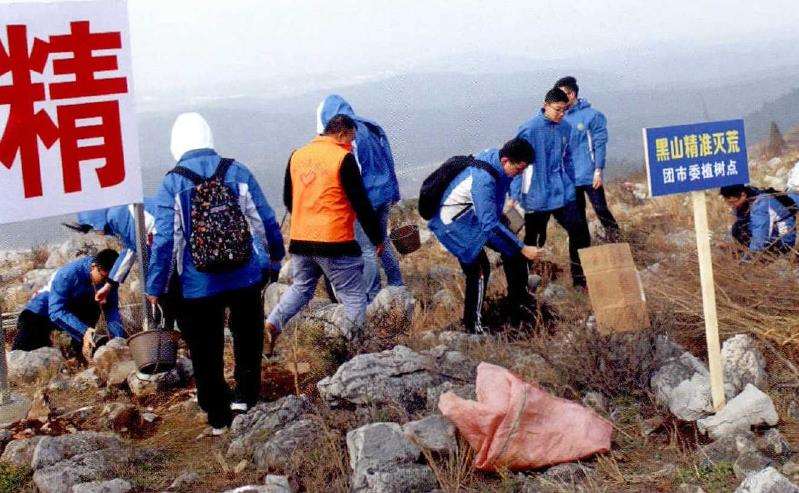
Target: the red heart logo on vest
(308, 177)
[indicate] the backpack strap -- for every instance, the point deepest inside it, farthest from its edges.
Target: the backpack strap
(188, 174)
(476, 163)
(221, 170)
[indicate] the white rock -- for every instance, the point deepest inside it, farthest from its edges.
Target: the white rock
(750, 408)
(117, 485)
(382, 460)
(30, 366)
(378, 445)
(743, 364)
(394, 304)
(435, 433)
(769, 480)
(278, 484)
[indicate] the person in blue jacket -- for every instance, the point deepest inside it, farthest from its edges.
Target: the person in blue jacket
(589, 139)
(373, 156)
(763, 223)
(468, 219)
(546, 188)
(67, 303)
(206, 295)
(120, 222)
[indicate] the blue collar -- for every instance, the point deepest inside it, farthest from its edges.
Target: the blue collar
(197, 153)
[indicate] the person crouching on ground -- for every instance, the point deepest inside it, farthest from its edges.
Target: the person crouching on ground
(67, 303)
(241, 226)
(764, 222)
(468, 219)
(325, 194)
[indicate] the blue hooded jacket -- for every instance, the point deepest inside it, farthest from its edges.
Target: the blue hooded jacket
(371, 150)
(173, 226)
(771, 223)
(589, 138)
(470, 211)
(119, 221)
(548, 183)
(70, 290)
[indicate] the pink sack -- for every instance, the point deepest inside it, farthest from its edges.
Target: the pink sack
(516, 425)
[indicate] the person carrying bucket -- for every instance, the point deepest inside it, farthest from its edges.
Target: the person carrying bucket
(325, 194)
(372, 153)
(214, 224)
(467, 219)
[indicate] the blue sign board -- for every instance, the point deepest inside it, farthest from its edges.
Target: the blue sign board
(685, 158)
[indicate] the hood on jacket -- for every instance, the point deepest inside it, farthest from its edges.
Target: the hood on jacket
(97, 219)
(189, 132)
(581, 104)
(329, 107)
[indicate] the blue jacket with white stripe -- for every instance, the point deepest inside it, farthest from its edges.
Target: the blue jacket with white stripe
(771, 223)
(548, 182)
(469, 215)
(119, 221)
(70, 291)
(589, 139)
(173, 226)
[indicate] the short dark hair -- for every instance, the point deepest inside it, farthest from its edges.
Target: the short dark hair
(735, 191)
(555, 95)
(339, 123)
(105, 259)
(517, 150)
(569, 82)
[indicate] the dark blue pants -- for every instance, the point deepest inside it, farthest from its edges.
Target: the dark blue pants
(600, 205)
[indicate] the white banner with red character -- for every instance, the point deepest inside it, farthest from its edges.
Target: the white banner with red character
(68, 137)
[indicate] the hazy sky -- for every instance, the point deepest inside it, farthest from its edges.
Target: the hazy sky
(196, 44)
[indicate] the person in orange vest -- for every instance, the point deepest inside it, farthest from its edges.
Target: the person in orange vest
(325, 194)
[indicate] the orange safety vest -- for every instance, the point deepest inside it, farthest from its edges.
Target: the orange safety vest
(321, 211)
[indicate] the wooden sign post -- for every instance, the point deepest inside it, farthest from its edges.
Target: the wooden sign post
(708, 299)
(691, 159)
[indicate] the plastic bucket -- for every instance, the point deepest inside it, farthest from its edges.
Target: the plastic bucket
(154, 351)
(406, 238)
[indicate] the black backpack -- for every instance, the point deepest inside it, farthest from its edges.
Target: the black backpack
(434, 186)
(220, 238)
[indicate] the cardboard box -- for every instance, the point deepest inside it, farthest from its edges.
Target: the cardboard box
(614, 286)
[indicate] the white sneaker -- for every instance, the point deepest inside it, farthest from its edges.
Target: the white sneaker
(239, 407)
(211, 432)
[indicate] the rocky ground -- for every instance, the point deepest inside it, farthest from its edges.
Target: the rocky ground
(364, 417)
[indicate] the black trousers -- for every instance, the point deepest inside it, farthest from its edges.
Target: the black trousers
(600, 205)
(204, 332)
(477, 274)
(33, 330)
(572, 219)
(171, 304)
